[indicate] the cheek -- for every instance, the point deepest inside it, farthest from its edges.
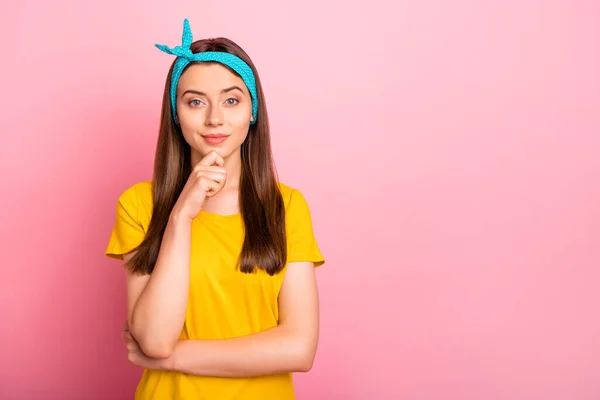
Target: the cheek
(189, 118)
(240, 115)
(188, 130)
(239, 118)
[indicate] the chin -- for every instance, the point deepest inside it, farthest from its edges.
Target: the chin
(224, 152)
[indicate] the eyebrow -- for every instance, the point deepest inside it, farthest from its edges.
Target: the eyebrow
(204, 94)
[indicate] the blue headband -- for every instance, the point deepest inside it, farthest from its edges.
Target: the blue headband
(185, 56)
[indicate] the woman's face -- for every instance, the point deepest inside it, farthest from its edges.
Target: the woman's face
(214, 109)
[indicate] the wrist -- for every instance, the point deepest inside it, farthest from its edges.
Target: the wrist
(177, 217)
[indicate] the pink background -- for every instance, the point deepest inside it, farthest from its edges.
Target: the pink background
(449, 152)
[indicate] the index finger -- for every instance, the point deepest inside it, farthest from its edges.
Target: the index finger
(219, 160)
(209, 159)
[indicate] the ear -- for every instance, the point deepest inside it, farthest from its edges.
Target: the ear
(252, 118)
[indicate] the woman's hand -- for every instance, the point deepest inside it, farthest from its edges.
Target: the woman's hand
(136, 356)
(206, 180)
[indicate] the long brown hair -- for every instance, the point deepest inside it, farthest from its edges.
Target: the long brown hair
(261, 203)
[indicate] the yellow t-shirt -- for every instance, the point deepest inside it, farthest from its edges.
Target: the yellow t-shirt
(222, 302)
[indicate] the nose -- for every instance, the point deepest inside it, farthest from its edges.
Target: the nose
(214, 115)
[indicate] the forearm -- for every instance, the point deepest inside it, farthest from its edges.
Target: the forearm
(274, 351)
(159, 314)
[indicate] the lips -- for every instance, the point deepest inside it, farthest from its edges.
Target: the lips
(215, 138)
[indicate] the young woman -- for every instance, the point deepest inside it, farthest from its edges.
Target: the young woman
(221, 293)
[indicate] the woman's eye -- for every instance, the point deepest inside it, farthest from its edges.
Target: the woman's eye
(195, 103)
(231, 101)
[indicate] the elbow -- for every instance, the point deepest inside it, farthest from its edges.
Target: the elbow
(305, 357)
(154, 347)
(157, 350)
(302, 348)
(305, 365)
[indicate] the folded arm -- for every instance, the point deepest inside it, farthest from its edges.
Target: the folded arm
(289, 347)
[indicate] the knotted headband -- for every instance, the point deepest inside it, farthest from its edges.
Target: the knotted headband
(185, 56)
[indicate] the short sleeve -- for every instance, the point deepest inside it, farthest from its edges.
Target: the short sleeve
(128, 231)
(302, 244)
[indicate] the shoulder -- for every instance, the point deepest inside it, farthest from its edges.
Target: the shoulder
(288, 193)
(302, 244)
(137, 198)
(293, 199)
(139, 191)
